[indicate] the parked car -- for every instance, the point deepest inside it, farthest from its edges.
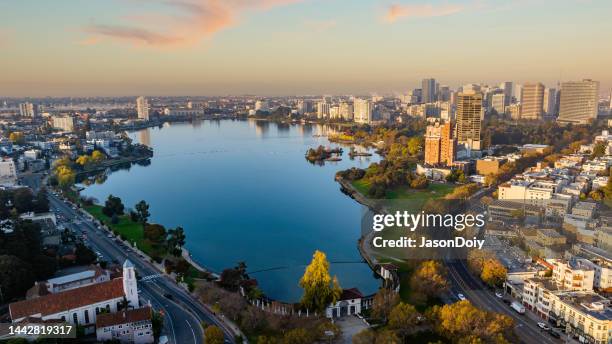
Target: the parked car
(543, 326)
(554, 334)
(461, 297)
(499, 294)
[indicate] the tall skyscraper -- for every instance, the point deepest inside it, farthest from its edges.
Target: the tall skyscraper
(142, 107)
(346, 111)
(498, 103)
(507, 87)
(444, 93)
(469, 119)
(363, 111)
(429, 90)
(323, 108)
(550, 101)
(518, 93)
(439, 144)
(579, 101)
(532, 104)
(27, 110)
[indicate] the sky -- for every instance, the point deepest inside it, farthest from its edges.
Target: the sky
(295, 47)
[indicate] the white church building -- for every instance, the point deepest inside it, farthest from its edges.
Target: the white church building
(80, 306)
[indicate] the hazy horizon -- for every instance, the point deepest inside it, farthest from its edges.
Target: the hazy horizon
(296, 47)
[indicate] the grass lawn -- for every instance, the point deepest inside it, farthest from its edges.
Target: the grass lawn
(434, 190)
(127, 229)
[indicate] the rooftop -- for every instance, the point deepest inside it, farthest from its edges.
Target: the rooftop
(123, 317)
(66, 300)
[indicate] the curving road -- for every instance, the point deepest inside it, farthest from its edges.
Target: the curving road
(183, 314)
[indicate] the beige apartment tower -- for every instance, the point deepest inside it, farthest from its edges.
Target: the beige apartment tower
(469, 119)
(532, 105)
(578, 103)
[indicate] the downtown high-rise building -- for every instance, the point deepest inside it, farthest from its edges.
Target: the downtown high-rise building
(532, 103)
(323, 109)
(507, 86)
(142, 108)
(550, 102)
(27, 110)
(469, 115)
(579, 101)
(362, 111)
(440, 146)
(498, 102)
(428, 87)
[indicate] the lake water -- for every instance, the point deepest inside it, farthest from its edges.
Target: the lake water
(243, 191)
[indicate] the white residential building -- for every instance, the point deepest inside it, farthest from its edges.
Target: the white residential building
(142, 108)
(8, 172)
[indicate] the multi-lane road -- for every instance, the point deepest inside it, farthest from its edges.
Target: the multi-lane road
(463, 282)
(183, 314)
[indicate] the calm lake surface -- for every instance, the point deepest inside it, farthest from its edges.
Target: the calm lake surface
(243, 191)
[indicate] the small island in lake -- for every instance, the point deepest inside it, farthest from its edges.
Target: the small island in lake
(321, 154)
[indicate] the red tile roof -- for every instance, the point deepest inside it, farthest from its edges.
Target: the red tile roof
(350, 294)
(123, 317)
(69, 299)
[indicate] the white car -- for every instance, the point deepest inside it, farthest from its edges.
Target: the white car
(461, 297)
(543, 326)
(499, 294)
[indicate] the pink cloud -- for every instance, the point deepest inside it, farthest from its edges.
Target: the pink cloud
(396, 11)
(192, 21)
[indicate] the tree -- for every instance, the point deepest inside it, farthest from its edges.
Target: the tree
(15, 277)
(320, 289)
(84, 160)
(597, 195)
(415, 144)
(384, 301)
(112, 206)
(41, 203)
(154, 232)
(599, 149)
(142, 210)
(17, 137)
(176, 240)
(366, 336)
(387, 337)
(65, 176)
(493, 272)
(213, 335)
(463, 322)
(23, 200)
(420, 182)
(297, 336)
(97, 157)
(403, 318)
(429, 279)
(84, 255)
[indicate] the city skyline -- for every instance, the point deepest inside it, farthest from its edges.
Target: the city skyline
(296, 47)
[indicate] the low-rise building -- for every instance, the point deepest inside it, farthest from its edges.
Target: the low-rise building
(574, 274)
(349, 303)
(127, 326)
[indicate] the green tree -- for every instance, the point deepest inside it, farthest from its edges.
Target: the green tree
(113, 205)
(176, 240)
(15, 277)
(142, 210)
(320, 289)
(213, 335)
(154, 232)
